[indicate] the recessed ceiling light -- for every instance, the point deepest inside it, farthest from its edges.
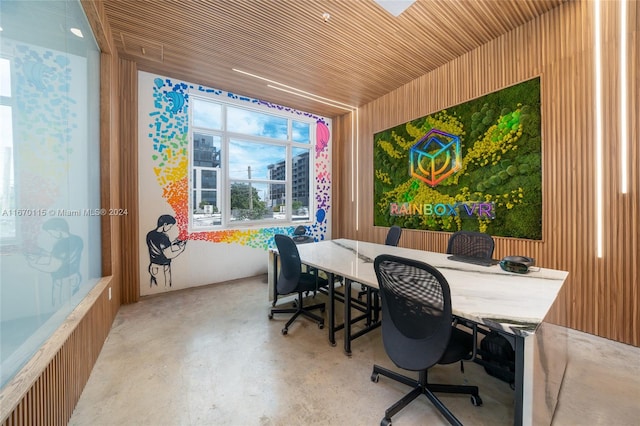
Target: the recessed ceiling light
(76, 32)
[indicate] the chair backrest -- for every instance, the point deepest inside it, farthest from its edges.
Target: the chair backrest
(470, 243)
(416, 311)
(393, 236)
(300, 235)
(290, 264)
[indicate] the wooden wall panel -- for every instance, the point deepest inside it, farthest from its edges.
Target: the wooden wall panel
(601, 294)
(105, 162)
(114, 186)
(129, 160)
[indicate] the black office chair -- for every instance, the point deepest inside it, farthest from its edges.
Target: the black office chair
(392, 239)
(471, 244)
(293, 280)
(393, 236)
(475, 245)
(417, 332)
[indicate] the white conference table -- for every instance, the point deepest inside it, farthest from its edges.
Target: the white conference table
(513, 304)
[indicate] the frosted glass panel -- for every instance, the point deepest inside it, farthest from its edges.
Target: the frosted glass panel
(50, 202)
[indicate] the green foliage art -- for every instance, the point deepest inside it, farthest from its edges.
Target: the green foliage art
(501, 168)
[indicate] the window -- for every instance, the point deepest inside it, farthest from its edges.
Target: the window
(205, 182)
(248, 166)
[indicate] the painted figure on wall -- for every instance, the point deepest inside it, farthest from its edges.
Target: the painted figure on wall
(62, 261)
(162, 250)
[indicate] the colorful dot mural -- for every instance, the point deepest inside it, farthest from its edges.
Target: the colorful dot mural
(168, 139)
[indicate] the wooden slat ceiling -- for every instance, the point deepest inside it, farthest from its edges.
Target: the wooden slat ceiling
(361, 53)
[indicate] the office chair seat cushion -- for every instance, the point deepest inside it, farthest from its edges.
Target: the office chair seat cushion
(460, 346)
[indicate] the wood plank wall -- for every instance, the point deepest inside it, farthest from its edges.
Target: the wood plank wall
(128, 92)
(601, 294)
(46, 390)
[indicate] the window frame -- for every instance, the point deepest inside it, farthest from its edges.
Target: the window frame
(225, 180)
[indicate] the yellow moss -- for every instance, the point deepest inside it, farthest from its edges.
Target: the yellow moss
(388, 148)
(382, 176)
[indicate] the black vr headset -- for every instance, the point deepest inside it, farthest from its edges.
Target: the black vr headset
(517, 264)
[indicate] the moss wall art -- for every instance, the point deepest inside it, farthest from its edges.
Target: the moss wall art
(474, 166)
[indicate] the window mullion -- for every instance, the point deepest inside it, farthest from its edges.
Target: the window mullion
(225, 180)
(289, 184)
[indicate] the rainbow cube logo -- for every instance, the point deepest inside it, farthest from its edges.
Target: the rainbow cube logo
(435, 157)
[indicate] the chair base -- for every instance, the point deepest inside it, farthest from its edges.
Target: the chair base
(420, 387)
(298, 310)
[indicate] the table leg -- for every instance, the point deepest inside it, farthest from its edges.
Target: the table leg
(275, 279)
(518, 413)
(332, 310)
(347, 316)
(369, 307)
(376, 306)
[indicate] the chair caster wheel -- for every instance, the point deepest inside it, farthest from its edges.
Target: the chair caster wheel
(320, 326)
(385, 422)
(375, 377)
(270, 316)
(285, 331)
(476, 400)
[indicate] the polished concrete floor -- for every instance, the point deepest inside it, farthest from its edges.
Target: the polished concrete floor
(210, 356)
